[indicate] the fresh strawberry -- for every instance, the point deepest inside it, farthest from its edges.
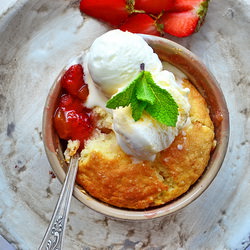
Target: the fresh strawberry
(113, 12)
(154, 6)
(73, 82)
(183, 5)
(140, 23)
(187, 22)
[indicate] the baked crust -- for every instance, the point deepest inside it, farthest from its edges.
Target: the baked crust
(108, 174)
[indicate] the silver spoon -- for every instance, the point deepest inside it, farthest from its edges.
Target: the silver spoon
(53, 238)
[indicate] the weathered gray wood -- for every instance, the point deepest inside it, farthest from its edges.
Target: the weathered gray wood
(37, 39)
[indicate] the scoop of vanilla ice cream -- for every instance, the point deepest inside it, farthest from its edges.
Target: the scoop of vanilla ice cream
(146, 137)
(143, 138)
(115, 58)
(113, 62)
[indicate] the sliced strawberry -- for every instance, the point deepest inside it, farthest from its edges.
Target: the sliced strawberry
(113, 12)
(183, 5)
(72, 81)
(140, 23)
(154, 6)
(187, 17)
(179, 24)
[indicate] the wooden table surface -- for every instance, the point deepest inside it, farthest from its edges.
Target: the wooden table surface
(37, 38)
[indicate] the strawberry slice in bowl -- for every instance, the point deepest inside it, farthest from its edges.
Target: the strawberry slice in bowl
(73, 82)
(71, 119)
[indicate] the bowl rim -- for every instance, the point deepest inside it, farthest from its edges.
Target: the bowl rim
(50, 143)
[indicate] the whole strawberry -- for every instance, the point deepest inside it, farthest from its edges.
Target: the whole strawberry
(186, 18)
(140, 23)
(113, 12)
(154, 6)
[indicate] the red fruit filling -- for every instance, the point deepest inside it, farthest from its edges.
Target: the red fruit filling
(73, 82)
(71, 119)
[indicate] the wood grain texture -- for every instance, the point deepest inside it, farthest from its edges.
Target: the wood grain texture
(37, 40)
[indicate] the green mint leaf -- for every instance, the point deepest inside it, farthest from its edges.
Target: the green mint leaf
(144, 94)
(123, 98)
(143, 89)
(164, 109)
(137, 107)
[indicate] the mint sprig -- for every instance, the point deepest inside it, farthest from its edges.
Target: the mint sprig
(143, 94)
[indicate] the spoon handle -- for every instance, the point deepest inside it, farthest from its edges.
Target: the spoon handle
(53, 239)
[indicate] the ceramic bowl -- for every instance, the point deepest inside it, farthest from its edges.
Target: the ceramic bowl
(206, 84)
